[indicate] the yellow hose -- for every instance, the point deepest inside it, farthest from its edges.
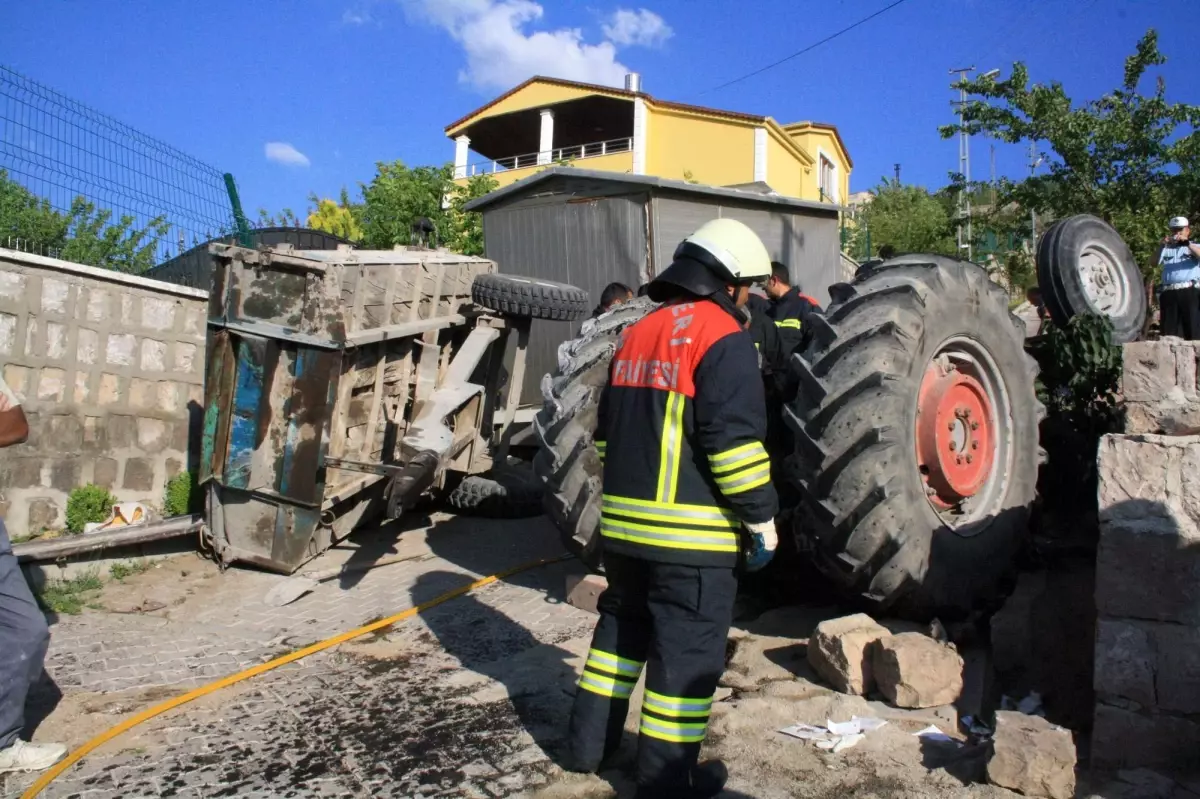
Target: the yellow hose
(262, 668)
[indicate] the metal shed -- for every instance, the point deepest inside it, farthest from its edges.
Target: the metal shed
(591, 228)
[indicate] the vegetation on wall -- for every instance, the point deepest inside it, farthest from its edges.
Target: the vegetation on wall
(87, 504)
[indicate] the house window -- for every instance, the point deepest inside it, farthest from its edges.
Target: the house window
(828, 180)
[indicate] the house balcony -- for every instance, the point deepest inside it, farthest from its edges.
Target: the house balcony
(611, 155)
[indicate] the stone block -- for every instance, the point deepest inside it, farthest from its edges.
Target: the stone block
(154, 356)
(158, 314)
(128, 308)
(93, 432)
(914, 670)
(1145, 572)
(52, 384)
(8, 332)
(104, 473)
(62, 433)
(120, 349)
(167, 396)
(1124, 662)
(583, 590)
(1124, 739)
(1136, 474)
(838, 651)
(151, 434)
(1185, 368)
(87, 345)
(175, 466)
(185, 357)
(122, 431)
(194, 321)
(56, 340)
(17, 378)
(141, 393)
(66, 474)
(1178, 669)
(97, 305)
(12, 286)
(109, 392)
(196, 395)
(139, 475)
(55, 294)
(23, 472)
(82, 388)
(179, 436)
(1148, 371)
(42, 515)
(1032, 756)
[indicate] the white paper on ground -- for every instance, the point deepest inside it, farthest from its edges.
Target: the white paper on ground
(806, 732)
(868, 723)
(850, 727)
(934, 734)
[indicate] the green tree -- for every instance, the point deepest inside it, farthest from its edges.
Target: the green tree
(465, 228)
(286, 218)
(1132, 159)
(397, 196)
(339, 218)
(908, 218)
(28, 218)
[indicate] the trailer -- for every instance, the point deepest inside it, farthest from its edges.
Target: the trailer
(342, 385)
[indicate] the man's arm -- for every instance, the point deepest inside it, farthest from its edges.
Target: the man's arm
(14, 428)
(731, 425)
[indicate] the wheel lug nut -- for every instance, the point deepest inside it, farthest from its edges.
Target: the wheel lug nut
(958, 459)
(953, 446)
(974, 425)
(974, 445)
(949, 425)
(969, 458)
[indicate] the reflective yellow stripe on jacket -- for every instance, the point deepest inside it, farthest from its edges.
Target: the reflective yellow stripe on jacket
(741, 468)
(673, 525)
(609, 675)
(678, 719)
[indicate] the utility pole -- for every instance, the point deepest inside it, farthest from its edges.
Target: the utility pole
(897, 174)
(964, 163)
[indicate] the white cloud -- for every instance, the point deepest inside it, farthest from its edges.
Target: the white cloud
(355, 17)
(283, 153)
(642, 27)
(502, 51)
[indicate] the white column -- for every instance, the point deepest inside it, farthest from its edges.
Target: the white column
(546, 144)
(760, 154)
(461, 147)
(640, 123)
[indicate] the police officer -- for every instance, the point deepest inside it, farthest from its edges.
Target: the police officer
(687, 499)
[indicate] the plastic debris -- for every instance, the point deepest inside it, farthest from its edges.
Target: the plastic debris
(932, 733)
(835, 736)
(123, 514)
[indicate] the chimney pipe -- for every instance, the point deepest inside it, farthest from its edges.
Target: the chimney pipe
(633, 82)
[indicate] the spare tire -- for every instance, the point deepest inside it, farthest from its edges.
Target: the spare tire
(916, 427)
(530, 297)
(1084, 266)
(567, 461)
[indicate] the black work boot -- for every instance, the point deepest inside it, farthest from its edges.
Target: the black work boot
(706, 780)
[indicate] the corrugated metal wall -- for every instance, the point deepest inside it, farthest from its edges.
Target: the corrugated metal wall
(588, 243)
(805, 241)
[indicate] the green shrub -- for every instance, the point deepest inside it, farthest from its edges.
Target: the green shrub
(182, 495)
(89, 503)
(69, 597)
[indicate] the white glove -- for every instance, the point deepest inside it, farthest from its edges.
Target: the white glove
(763, 543)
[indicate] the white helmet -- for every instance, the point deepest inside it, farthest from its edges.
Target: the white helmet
(1178, 223)
(721, 252)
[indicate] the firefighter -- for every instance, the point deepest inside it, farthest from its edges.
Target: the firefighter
(687, 501)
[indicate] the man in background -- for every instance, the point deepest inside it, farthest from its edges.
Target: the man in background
(24, 635)
(1180, 301)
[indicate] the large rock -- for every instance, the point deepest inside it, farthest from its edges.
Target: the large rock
(838, 651)
(913, 670)
(1032, 756)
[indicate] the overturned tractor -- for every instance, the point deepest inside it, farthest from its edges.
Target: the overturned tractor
(915, 449)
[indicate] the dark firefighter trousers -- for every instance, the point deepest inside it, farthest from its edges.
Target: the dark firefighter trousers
(674, 621)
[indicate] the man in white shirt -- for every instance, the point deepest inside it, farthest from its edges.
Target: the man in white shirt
(1180, 300)
(24, 635)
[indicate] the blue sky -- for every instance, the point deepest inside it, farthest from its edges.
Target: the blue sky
(347, 83)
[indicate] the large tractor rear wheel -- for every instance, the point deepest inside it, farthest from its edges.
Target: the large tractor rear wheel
(916, 427)
(567, 461)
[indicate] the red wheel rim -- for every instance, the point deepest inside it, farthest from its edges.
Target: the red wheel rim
(956, 438)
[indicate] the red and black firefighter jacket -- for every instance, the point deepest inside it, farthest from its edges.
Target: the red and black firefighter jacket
(681, 427)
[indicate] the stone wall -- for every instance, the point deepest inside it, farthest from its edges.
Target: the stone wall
(1159, 387)
(1147, 662)
(110, 370)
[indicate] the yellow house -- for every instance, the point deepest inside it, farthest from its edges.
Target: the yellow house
(547, 120)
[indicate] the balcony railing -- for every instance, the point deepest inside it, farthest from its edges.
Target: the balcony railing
(574, 153)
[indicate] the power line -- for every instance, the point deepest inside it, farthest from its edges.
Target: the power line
(799, 53)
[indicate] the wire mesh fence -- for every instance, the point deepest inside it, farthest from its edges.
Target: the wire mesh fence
(79, 184)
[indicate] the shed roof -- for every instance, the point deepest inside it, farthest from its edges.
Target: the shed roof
(752, 196)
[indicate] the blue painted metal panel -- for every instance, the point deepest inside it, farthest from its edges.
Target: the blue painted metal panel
(247, 400)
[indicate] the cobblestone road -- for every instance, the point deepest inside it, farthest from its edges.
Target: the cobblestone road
(463, 701)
